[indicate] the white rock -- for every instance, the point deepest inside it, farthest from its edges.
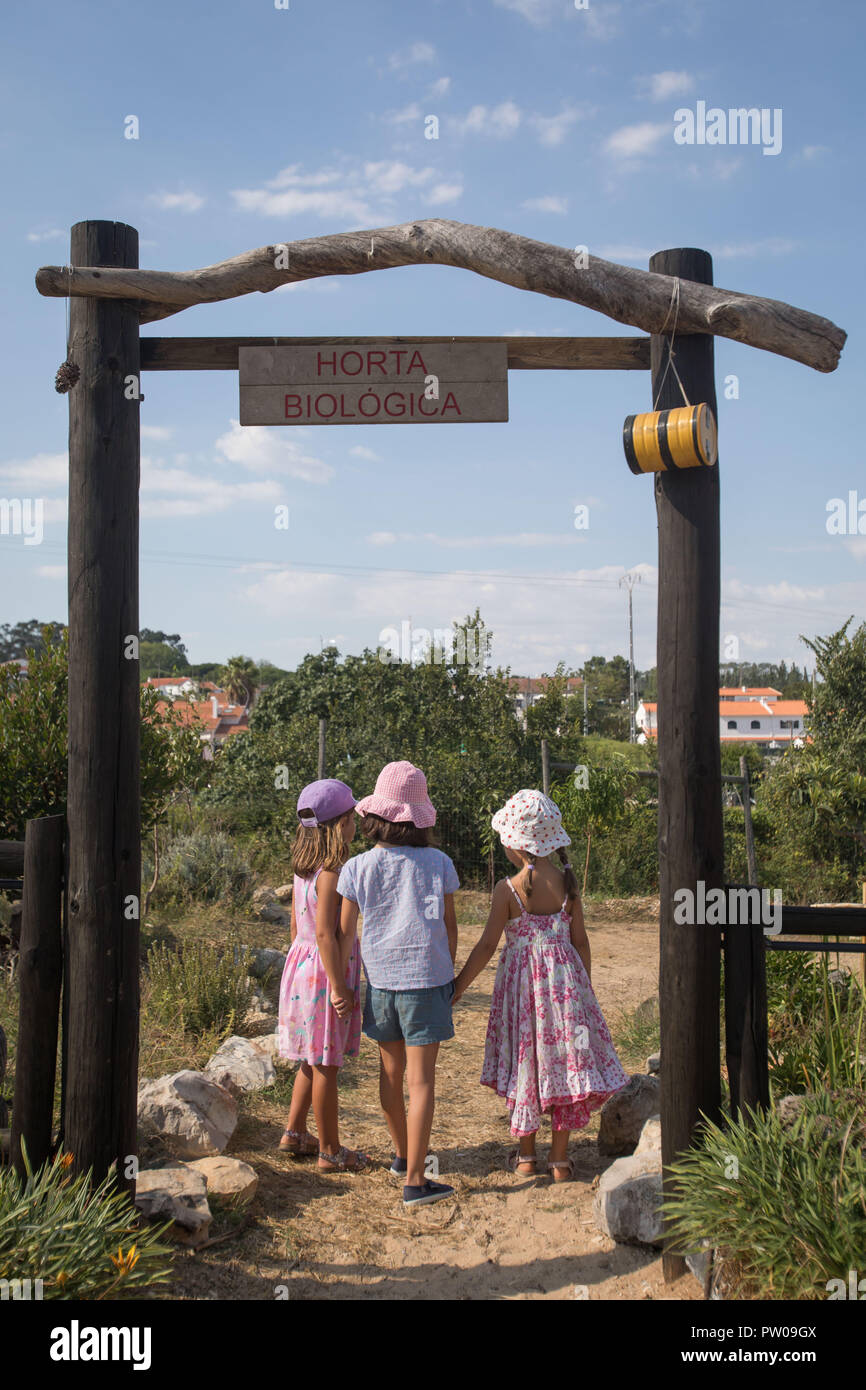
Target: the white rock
(284, 893)
(650, 1141)
(623, 1116)
(177, 1193)
(628, 1200)
(268, 1045)
(240, 1067)
(265, 962)
(190, 1110)
(228, 1178)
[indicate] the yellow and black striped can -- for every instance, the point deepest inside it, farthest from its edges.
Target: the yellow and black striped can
(661, 439)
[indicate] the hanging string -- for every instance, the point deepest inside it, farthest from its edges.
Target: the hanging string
(674, 304)
(68, 372)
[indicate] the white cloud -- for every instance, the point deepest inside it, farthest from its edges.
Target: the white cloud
(813, 152)
(416, 53)
(444, 193)
(633, 140)
(412, 112)
(440, 86)
(23, 476)
(168, 491)
(51, 571)
(262, 449)
(552, 130)
(550, 203)
(597, 20)
(660, 86)
(183, 202)
(500, 121)
(365, 195)
(522, 539)
(155, 432)
(323, 286)
(857, 546)
(50, 235)
(767, 246)
(360, 451)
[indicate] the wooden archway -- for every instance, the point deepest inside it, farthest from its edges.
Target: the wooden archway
(111, 297)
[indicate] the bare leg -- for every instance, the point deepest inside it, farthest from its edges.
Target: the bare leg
(559, 1153)
(325, 1108)
(302, 1099)
(421, 1073)
(392, 1066)
(526, 1149)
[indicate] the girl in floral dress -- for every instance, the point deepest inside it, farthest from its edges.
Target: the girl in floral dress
(548, 1048)
(320, 1007)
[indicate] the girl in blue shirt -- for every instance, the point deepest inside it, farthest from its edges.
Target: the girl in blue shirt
(404, 887)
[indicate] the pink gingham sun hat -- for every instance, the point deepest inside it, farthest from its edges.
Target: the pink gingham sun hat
(531, 821)
(400, 795)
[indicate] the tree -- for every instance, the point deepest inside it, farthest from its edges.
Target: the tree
(16, 639)
(593, 799)
(238, 678)
(160, 659)
(33, 744)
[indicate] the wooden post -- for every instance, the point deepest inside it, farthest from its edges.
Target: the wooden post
(690, 801)
(103, 811)
(40, 965)
(545, 767)
(746, 1018)
(323, 731)
(747, 819)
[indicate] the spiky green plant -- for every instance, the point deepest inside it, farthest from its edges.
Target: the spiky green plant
(784, 1203)
(81, 1241)
(198, 987)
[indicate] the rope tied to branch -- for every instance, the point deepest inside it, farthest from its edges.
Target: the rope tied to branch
(674, 304)
(68, 372)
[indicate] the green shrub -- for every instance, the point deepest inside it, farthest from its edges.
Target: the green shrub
(793, 1216)
(201, 866)
(197, 988)
(82, 1242)
(817, 1029)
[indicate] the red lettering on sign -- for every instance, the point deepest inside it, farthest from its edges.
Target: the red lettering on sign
(293, 414)
(396, 396)
(328, 362)
(371, 362)
(343, 415)
(345, 369)
(428, 413)
(377, 407)
(326, 397)
(398, 353)
(453, 404)
(416, 357)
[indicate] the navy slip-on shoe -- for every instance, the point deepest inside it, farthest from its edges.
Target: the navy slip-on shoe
(430, 1192)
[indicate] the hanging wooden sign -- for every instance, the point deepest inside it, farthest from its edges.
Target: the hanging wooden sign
(392, 382)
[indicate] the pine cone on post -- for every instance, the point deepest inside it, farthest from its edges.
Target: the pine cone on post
(67, 375)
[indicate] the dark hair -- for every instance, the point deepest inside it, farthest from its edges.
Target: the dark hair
(397, 832)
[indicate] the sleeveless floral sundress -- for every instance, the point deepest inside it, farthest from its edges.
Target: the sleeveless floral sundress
(548, 1048)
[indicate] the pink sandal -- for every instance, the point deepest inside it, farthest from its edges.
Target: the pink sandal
(341, 1163)
(299, 1142)
(561, 1163)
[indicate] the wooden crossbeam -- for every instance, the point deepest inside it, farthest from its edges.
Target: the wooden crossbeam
(528, 354)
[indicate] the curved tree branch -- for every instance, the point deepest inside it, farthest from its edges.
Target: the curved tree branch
(636, 297)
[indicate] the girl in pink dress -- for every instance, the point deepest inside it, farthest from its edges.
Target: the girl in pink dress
(312, 1029)
(548, 1049)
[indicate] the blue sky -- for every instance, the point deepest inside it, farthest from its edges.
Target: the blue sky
(259, 125)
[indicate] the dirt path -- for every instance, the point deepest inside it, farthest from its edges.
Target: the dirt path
(502, 1237)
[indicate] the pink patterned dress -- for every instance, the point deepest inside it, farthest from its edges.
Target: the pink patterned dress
(548, 1047)
(310, 1029)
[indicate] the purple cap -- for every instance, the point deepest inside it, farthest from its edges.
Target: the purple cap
(327, 799)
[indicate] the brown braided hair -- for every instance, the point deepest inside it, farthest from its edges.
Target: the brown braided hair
(571, 890)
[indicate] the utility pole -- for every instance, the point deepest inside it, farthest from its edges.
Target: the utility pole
(585, 724)
(628, 581)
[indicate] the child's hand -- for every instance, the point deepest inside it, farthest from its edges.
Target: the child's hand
(343, 1001)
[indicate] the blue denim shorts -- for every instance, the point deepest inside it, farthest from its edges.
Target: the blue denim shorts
(417, 1016)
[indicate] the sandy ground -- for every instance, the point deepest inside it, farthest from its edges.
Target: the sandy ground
(317, 1236)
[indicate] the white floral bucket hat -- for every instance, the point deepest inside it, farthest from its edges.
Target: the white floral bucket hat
(532, 822)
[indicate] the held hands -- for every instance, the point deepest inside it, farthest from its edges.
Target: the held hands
(343, 1001)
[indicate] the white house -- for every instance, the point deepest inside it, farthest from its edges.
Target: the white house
(747, 714)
